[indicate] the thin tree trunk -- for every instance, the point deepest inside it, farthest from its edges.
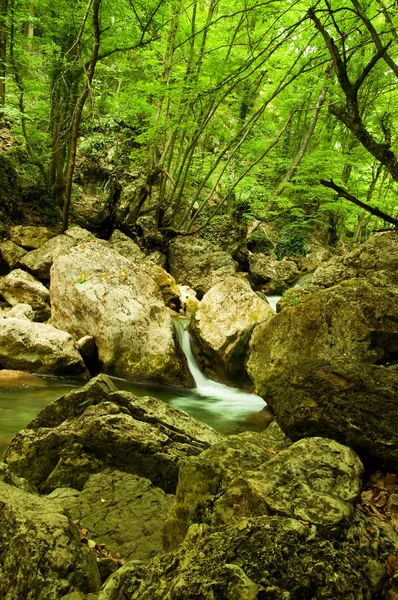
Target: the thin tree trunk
(77, 115)
(3, 54)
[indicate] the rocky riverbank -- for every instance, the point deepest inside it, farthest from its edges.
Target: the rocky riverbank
(106, 496)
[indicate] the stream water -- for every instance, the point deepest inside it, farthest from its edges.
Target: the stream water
(226, 409)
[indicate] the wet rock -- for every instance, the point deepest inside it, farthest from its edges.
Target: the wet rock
(39, 262)
(111, 299)
(11, 253)
(189, 301)
(41, 555)
(199, 264)
(21, 311)
(39, 348)
(98, 427)
(19, 287)
(263, 557)
(315, 480)
(270, 275)
(354, 320)
(30, 237)
(123, 511)
(223, 324)
(352, 403)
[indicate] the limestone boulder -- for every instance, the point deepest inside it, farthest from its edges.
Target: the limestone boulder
(21, 311)
(123, 511)
(38, 262)
(272, 557)
(165, 282)
(110, 298)
(269, 275)
(350, 402)
(223, 324)
(375, 260)
(30, 237)
(41, 554)
(98, 427)
(315, 479)
(355, 321)
(38, 348)
(205, 477)
(80, 235)
(19, 287)
(189, 301)
(199, 264)
(11, 253)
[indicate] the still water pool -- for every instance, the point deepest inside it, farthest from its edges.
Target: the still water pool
(19, 405)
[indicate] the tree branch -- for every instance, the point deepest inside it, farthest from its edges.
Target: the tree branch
(344, 194)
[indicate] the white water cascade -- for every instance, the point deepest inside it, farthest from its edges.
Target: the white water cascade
(215, 397)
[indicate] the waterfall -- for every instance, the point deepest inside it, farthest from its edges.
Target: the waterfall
(223, 398)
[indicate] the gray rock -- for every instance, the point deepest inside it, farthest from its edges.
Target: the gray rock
(123, 511)
(126, 246)
(30, 237)
(19, 287)
(21, 311)
(111, 299)
(97, 427)
(39, 348)
(39, 262)
(223, 324)
(198, 263)
(41, 554)
(11, 253)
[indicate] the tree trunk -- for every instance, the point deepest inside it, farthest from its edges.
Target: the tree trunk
(3, 55)
(77, 115)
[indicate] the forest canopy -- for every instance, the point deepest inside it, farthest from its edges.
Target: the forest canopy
(230, 109)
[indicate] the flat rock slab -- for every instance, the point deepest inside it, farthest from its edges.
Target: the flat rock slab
(123, 511)
(98, 427)
(41, 555)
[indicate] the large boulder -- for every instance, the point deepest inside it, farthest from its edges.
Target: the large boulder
(11, 253)
(223, 324)
(355, 320)
(353, 403)
(30, 237)
(21, 311)
(316, 480)
(376, 259)
(39, 262)
(123, 511)
(19, 287)
(39, 348)
(203, 478)
(41, 556)
(269, 275)
(199, 263)
(97, 427)
(166, 283)
(270, 557)
(96, 291)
